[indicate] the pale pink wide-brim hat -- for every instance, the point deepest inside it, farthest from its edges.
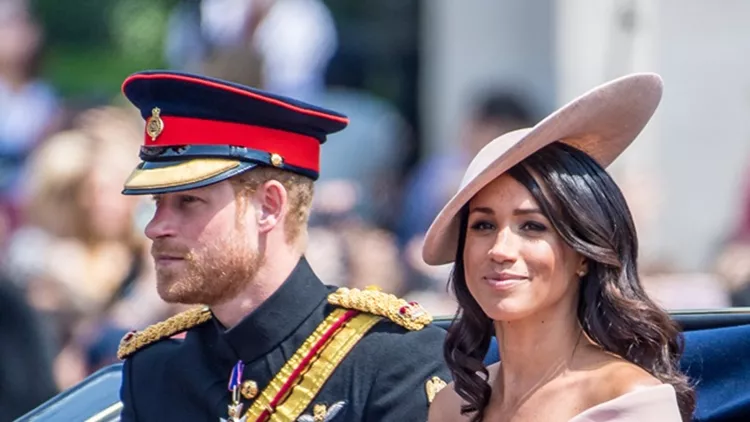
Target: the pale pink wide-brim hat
(601, 123)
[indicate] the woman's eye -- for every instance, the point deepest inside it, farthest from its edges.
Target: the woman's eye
(482, 225)
(533, 226)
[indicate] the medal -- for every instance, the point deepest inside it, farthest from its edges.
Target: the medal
(234, 410)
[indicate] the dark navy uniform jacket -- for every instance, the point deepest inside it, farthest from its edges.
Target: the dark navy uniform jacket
(382, 378)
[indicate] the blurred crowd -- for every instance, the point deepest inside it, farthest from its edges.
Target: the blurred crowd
(75, 271)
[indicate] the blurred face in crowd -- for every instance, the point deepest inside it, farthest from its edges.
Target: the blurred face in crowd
(109, 215)
(479, 132)
(516, 264)
(205, 245)
(19, 35)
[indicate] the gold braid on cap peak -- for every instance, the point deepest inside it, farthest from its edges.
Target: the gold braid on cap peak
(410, 315)
(135, 340)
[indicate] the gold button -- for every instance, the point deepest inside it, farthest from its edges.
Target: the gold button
(249, 389)
(276, 160)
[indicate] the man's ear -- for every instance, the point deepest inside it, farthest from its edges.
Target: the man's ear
(272, 200)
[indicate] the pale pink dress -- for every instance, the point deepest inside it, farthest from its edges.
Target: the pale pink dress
(657, 404)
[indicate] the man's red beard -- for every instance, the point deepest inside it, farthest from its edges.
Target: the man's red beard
(210, 275)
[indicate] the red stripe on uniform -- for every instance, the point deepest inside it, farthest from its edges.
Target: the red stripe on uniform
(296, 150)
(302, 367)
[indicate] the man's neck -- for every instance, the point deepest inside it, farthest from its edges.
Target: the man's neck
(269, 278)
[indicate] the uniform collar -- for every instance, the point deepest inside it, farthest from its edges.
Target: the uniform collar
(278, 317)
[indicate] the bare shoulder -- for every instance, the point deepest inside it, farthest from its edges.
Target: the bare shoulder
(447, 406)
(614, 377)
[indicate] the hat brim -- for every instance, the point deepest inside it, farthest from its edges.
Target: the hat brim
(175, 176)
(602, 123)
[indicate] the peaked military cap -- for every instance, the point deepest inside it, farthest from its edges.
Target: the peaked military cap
(200, 131)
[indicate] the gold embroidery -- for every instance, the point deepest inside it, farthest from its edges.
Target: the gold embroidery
(134, 341)
(317, 372)
(179, 174)
(432, 387)
(409, 315)
(274, 387)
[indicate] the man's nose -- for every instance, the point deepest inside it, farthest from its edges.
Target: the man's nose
(162, 224)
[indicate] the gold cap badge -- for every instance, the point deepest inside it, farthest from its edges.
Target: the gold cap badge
(155, 125)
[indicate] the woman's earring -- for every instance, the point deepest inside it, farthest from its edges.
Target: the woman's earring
(583, 270)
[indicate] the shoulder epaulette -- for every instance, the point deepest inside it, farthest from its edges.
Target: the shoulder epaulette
(135, 340)
(410, 315)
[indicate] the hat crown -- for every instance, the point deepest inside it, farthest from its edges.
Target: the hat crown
(491, 152)
(602, 123)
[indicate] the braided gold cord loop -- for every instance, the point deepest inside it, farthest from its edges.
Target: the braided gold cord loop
(410, 315)
(135, 340)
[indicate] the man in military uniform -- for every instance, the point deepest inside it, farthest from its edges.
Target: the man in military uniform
(231, 170)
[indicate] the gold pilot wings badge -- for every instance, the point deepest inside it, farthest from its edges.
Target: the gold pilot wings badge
(321, 413)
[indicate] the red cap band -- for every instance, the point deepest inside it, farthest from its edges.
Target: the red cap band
(296, 150)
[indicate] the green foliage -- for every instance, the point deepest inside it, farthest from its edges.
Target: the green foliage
(93, 44)
(137, 29)
(82, 23)
(91, 72)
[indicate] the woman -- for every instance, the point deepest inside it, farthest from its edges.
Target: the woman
(545, 258)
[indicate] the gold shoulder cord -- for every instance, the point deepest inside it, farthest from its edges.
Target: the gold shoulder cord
(136, 340)
(410, 315)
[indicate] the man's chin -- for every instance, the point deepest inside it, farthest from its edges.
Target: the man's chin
(170, 292)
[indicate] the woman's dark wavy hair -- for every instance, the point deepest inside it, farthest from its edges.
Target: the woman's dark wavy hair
(589, 212)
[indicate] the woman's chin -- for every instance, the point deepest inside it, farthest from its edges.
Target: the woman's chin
(507, 310)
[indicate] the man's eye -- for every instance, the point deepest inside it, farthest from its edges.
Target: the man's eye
(187, 199)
